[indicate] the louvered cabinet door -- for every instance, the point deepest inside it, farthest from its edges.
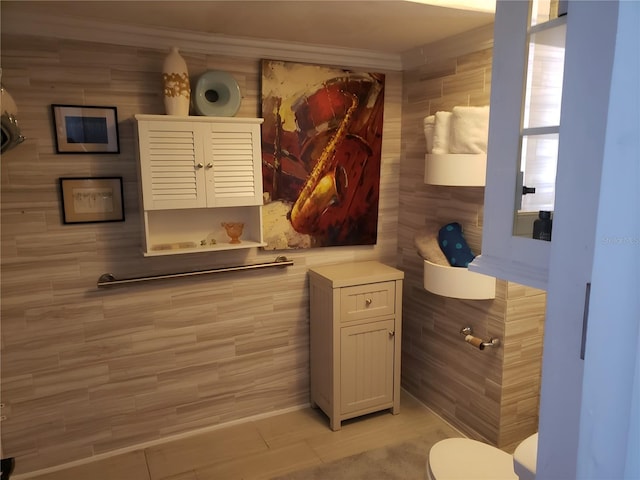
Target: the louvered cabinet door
(197, 173)
(233, 168)
(172, 172)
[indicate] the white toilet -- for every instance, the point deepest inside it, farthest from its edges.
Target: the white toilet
(466, 459)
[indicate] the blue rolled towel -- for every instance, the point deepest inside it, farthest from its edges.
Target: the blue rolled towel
(454, 246)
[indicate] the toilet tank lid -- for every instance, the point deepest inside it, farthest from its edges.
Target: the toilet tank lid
(525, 457)
(465, 458)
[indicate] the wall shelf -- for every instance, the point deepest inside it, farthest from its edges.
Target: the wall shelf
(458, 282)
(455, 169)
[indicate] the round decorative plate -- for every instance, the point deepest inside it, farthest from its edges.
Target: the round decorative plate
(217, 94)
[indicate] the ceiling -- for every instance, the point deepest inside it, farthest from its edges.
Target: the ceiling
(385, 26)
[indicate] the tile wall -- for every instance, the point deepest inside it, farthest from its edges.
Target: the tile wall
(493, 394)
(87, 371)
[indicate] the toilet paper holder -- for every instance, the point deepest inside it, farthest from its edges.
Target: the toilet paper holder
(478, 342)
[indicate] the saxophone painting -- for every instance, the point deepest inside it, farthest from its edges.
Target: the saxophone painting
(321, 151)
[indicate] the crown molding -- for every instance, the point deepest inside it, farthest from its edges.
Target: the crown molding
(196, 42)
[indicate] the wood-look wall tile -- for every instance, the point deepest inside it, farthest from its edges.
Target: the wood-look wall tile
(475, 390)
(250, 354)
(481, 99)
(37, 460)
(58, 380)
(17, 361)
(436, 69)
(147, 365)
(473, 61)
(166, 396)
(263, 339)
(23, 224)
(125, 387)
(134, 428)
(447, 101)
(196, 416)
(465, 83)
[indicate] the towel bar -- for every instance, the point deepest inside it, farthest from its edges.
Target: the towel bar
(108, 279)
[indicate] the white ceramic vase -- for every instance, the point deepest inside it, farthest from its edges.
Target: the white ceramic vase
(177, 91)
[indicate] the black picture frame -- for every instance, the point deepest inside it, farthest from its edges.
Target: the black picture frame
(85, 129)
(91, 199)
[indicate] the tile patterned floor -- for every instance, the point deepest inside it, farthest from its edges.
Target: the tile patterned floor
(262, 449)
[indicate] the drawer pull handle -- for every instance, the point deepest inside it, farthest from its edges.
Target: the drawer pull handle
(368, 302)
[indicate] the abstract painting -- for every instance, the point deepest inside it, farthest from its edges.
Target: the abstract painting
(321, 149)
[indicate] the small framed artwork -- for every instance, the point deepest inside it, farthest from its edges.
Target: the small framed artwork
(88, 200)
(80, 129)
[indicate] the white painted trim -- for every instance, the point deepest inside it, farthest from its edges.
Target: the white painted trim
(160, 441)
(193, 42)
(525, 273)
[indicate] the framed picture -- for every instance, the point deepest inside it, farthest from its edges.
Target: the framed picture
(80, 129)
(321, 155)
(88, 200)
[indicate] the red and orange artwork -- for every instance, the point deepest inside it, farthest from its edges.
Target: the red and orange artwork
(321, 146)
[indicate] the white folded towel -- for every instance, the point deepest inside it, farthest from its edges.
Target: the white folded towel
(469, 130)
(429, 124)
(441, 132)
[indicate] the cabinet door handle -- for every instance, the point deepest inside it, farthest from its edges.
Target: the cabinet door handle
(200, 165)
(367, 302)
(209, 165)
(392, 333)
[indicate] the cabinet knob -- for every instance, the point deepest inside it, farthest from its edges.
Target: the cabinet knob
(209, 165)
(200, 165)
(392, 333)
(367, 302)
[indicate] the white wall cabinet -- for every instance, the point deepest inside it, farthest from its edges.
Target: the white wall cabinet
(589, 122)
(196, 173)
(523, 137)
(356, 319)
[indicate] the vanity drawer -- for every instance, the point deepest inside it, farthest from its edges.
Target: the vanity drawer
(367, 301)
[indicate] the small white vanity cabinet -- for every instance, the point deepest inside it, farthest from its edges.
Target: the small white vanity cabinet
(196, 173)
(356, 319)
